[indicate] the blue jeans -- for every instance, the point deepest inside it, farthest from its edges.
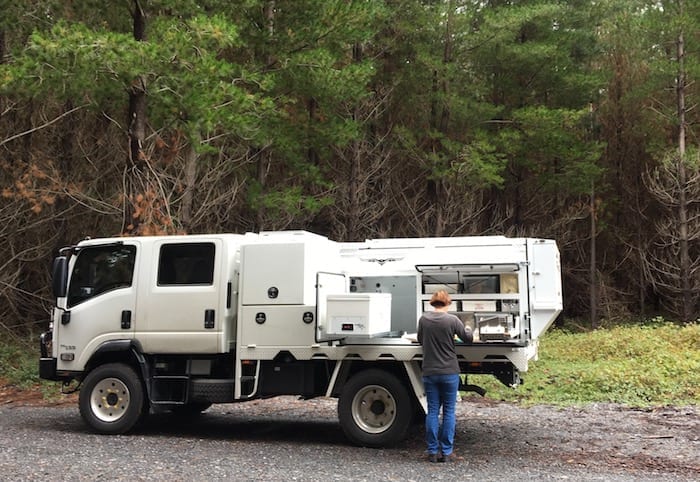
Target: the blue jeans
(441, 391)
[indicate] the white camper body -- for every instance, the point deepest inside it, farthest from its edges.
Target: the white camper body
(180, 322)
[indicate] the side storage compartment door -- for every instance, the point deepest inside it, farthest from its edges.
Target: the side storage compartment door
(327, 284)
(101, 301)
(182, 308)
(545, 285)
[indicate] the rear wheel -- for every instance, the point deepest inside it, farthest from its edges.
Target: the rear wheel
(112, 398)
(375, 409)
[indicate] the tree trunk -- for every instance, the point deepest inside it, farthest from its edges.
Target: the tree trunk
(137, 121)
(440, 119)
(686, 294)
(263, 166)
(187, 202)
(136, 130)
(446, 60)
(137, 96)
(3, 47)
(592, 267)
(264, 155)
(353, 214)
(311, 153)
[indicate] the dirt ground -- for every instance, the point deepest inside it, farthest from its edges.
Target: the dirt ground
(11, 395)
(661, 442)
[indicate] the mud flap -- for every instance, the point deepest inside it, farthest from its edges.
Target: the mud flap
(413, 371)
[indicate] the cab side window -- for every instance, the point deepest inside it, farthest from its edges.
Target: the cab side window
(100, 269)
(186, 264)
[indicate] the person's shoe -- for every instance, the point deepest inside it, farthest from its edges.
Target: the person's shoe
(446, 458)
(433, 458)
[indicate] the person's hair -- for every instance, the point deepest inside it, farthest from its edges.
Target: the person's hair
(440, 298)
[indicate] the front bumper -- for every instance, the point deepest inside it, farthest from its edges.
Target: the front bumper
(47, 369)
(47, 364)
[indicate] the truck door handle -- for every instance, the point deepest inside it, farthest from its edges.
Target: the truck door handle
(208, 319)
(126, 319)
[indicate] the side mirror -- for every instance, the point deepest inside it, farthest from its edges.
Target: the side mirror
(59, 276)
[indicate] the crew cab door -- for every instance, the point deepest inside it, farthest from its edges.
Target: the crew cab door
(100, 302)
(181, 309)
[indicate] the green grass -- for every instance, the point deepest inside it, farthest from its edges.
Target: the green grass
(19, 359)
(19, 367)
(637, 366)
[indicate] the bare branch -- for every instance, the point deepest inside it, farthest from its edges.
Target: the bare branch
(46, 124)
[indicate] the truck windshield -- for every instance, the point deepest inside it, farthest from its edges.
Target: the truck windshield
(100, 269)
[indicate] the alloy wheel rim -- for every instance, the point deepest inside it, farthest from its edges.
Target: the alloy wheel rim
(109, 399)
(374, 409)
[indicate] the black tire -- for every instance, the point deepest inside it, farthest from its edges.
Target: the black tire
(212, 390)
(112, 399)
(375, 409)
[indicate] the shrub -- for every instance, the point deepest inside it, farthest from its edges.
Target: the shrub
(633, 365)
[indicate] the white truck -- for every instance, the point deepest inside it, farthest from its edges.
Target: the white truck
(178, 323)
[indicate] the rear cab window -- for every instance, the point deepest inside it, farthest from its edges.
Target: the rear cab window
(186, 264)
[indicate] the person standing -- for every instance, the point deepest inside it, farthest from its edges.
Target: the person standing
(436, 332)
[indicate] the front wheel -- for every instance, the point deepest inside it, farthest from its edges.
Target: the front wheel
(375, 409)
(112, 399)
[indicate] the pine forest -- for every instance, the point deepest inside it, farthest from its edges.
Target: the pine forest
(575, 120)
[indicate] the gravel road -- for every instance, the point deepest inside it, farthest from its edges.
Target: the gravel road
(287, 439)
